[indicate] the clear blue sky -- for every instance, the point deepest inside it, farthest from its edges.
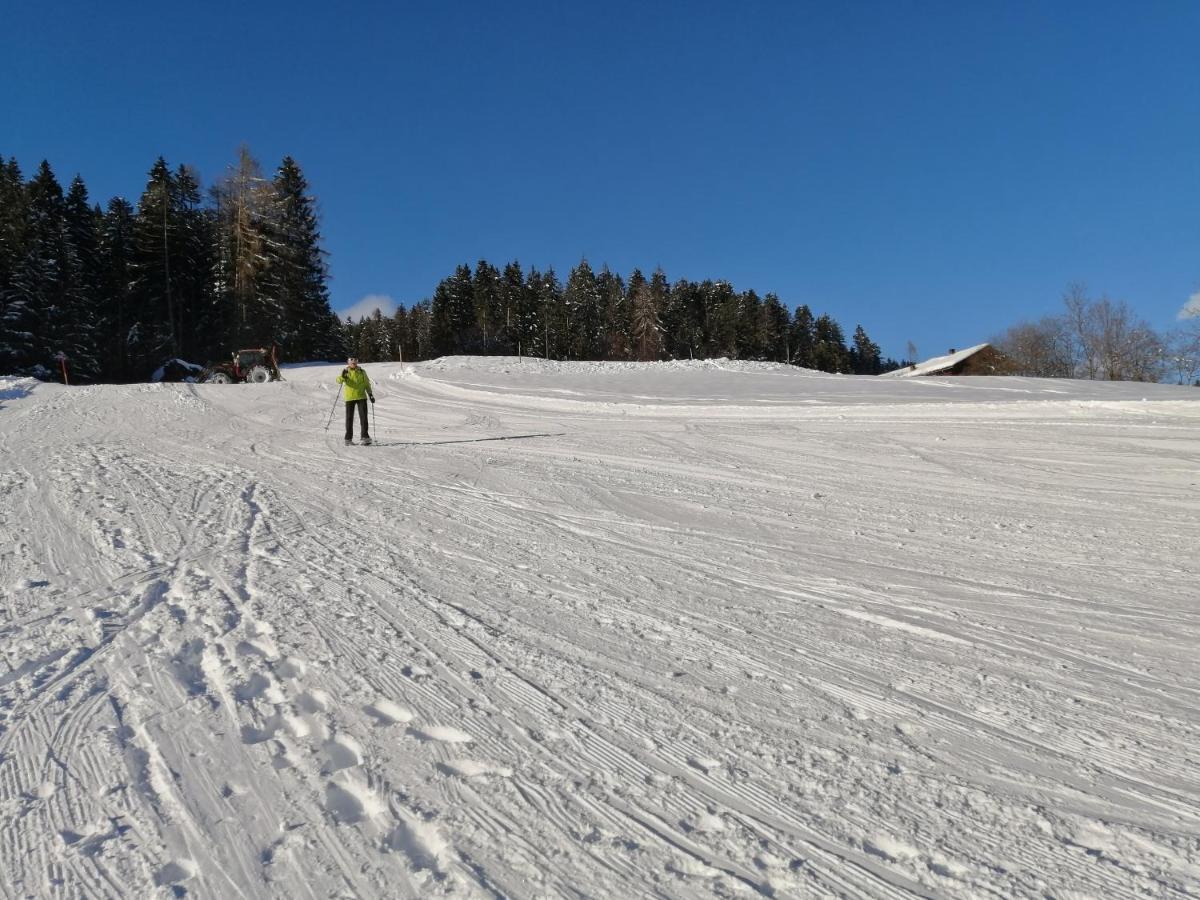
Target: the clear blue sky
(933, 170)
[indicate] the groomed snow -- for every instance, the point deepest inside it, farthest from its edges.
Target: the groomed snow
(677, 630)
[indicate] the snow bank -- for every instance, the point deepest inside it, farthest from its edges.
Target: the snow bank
(13, 388)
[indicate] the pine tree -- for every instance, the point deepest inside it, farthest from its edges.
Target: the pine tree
(548, 300)
(115, 297)
(829, 351)
(864, 355)
(453, 311)
(198, 310)
(582, 314)
(645, 324)
(155, 327)
(297, 271)
(720, 318)
(336, 342)
(751, 339)
(777, 325)
(683, 320)
(487, 300)
(201, 322)
(382, 338)
(804, 338)
(82, 228)
(176, 309)
(633, 286)
(419, 322)
(79, 328)
(617, 340)
(660, 295)
(350, 331)
(401, 334)
(529, 315)
(17, 322)
(441, 329)
(12, 219)
(45, 291)
(512, 289)
(462, 310)
(367, 339)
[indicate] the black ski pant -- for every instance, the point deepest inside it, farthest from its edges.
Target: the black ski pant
(362, 417)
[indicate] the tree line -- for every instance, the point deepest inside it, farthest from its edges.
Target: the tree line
(118, 290)
(603, 316)
(115, 291)
(1100, 339)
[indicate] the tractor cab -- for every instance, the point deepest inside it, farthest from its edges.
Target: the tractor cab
(245, 360)
(256, 365)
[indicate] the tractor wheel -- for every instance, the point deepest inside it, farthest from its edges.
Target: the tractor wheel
(258, 375)
(218, 378)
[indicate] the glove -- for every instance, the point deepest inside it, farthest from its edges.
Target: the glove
(372, 396)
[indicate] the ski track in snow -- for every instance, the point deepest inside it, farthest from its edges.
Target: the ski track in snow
(679, 630)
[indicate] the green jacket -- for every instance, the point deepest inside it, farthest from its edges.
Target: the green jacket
(356, 383)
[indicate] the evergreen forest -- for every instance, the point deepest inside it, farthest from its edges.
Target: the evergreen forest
(602, 316)
(118, 290)
(112, 293)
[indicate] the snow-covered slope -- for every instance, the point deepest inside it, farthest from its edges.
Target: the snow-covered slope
(610, 631)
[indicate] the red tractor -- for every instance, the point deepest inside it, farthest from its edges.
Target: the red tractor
(256, 366)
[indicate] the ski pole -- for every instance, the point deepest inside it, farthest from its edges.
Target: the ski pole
(374, 421)
(332, 408)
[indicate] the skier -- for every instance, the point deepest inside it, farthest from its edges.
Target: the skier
(358, 388)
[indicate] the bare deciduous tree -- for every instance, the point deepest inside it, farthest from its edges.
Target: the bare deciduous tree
(1095, 339)
(1126, 347)
(1041, 349)
(1183, 353)
(1111, 342)
(245, 202)
(1079, 326)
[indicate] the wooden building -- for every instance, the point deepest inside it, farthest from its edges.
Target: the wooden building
(982, 359)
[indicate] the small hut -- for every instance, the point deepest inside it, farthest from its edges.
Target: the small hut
(982, 359)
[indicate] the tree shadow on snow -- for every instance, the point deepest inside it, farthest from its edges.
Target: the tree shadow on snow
(15, 389)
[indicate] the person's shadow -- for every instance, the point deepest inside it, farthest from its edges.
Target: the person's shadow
(506, 437)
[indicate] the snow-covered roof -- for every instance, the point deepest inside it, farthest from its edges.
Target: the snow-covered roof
(937, 363)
